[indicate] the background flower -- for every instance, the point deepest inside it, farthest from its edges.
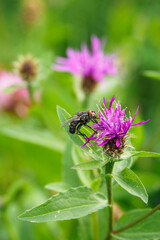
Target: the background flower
(92, 65)
(18, 99)
(26, 67)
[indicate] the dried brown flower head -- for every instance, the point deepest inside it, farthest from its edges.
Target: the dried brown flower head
(27, 67)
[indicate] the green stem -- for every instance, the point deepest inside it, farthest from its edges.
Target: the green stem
(86, 100)
(137, 220)
(109, 169)
(31, 94)
(95, 226)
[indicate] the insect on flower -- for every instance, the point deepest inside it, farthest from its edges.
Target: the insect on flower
(80, 119)
(112, 128)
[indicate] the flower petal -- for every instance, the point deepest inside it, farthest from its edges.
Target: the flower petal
(118, 142)
(112, 100)
(135, 115)
(94, 64)
(142, 122)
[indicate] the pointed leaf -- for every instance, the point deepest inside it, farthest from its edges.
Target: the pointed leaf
(69, 176)
(96, 184)
(152, 74)
(77, 156)
(144, 154)
(57, 186)
(127, 159)
(34, 136)
(90, 165)
(139, 154)
(128, 180)
(74, 203)
(147, 229)
(120, 165)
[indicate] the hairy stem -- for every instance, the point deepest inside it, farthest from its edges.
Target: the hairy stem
(109, 169)
(138, 220)
(95, 226)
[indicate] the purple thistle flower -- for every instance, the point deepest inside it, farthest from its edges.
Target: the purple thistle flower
(112, 125)
(91, 66)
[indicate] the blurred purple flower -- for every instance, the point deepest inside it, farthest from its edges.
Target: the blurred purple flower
(18, 99)
(89, 65)
(113, 124)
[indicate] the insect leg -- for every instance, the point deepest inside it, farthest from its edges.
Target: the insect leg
(94, 120)
(78, 131)
(89, 127)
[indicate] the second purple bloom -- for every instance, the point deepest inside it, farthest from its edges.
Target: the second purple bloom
(91, 66)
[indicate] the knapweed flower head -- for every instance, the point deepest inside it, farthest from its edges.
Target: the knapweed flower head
(91, 66)
(17, 100)
(112, 128)
(26, 67)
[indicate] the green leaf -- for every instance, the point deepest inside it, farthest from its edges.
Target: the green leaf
(127, 159)
(144, 154)
(127, 155)
(103, 216)
(69, 176)
(130, 154)
(85, 228)
(96, 184)
(120, 165)
(77, 156)
(57, 186)
(35, 136)
(147, 229)
(74, 203)
(93, 150)
(152, 74)
(131, 183)
(90, 165)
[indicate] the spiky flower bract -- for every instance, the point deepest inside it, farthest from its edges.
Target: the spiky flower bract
(112, 128)
(91, 66)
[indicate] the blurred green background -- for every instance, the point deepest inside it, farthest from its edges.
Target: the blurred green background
(32, 148)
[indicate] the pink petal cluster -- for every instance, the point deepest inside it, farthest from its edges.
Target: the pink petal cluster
(86, 64)
(112, 123)
(15, 101)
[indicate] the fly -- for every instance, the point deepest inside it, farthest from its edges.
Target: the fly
(80, 119)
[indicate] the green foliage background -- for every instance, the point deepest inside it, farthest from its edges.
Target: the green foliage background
(27, 164)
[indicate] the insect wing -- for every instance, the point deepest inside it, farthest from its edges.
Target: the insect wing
(74, 118)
